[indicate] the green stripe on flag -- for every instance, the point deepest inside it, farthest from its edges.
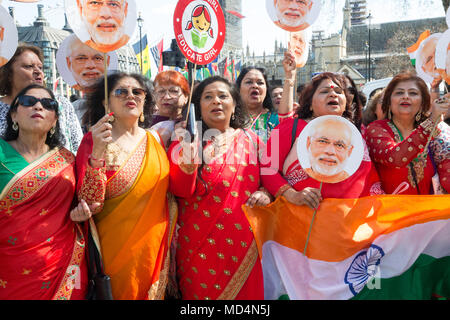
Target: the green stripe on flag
(427, 276)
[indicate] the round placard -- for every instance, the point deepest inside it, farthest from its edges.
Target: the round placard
(425, 64)
(103, 25)
(330, 149)
(299, 45)
(293, 15)
(80, 65)
(199, 27)
(8, 36)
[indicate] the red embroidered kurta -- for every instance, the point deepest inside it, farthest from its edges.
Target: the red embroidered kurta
(217, 256)
(394, 155)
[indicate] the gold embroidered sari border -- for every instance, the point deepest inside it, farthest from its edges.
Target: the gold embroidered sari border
(240, 276)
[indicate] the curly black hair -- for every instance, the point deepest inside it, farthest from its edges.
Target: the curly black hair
(267, 103)
(95, 108)
(52, 140)
(241, 116)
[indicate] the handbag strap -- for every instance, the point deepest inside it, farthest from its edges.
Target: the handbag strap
(294, 132)
(94, 255)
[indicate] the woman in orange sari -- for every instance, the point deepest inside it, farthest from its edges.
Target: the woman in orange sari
(41, 249)
(217, 256)
(125, 169)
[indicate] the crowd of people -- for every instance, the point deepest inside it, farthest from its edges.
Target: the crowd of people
(167, 206)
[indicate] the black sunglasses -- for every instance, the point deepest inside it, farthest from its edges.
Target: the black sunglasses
(123, 92)
(29, 101)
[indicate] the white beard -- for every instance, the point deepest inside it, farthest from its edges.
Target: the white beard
(325, 170)
(289, 22)
(104, 38)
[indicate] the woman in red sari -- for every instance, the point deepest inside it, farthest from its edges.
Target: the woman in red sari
(399, 145)
(41, 249)
(217, 256)
(281, 171)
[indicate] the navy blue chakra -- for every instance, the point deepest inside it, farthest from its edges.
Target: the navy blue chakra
(363, 267)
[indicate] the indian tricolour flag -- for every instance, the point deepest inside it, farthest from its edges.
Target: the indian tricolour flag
(413, 50)
(380, 247)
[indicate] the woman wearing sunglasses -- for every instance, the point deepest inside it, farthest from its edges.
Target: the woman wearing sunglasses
(23, 69)
(41, 249)
(125, 169)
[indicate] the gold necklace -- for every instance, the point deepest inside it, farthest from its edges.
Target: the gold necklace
(7, 168)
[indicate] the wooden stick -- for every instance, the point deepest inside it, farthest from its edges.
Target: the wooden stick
(106, 84)
(190, 94)
(310, 226)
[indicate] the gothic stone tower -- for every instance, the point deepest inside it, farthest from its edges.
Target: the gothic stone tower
(233, 38)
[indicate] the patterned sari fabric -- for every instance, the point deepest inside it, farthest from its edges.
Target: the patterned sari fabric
(41, 249)
(217, 256)
(281, 169)
(397, 160)
(137, 220)
(264, 124)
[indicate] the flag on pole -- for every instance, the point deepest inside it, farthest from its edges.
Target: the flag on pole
(412, 51)
(237, 69)
(236, 14)
(55, 84)
(145, 67)
(378, 247)
(227, 72)
(156, 53)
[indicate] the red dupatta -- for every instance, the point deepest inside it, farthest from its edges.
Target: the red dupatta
(41, 249)
(217, 254)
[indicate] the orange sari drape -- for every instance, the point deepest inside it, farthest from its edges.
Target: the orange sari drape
(41, 249)
(135, 228)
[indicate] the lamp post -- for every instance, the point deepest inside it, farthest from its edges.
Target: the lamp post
(140, 22)
(369, 73)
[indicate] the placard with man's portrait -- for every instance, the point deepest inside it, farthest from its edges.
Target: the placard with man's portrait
(299, 45)
(104, 25)
(330, 149)
(293, 15)
(80, 65)
(425, 59)
(8, 36)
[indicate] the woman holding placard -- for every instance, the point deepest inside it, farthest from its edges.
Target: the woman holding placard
(125, 169)
(402, 145)
(217, 256)
(283, 173)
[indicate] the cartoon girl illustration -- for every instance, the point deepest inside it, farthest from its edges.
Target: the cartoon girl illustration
(200, 24)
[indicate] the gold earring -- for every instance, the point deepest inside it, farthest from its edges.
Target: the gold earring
(142, 117)
(52, 131)
(15, 126)
(418, 116)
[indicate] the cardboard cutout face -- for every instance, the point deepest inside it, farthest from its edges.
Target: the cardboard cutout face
(293, 15)
(425, 60)
(330, 149)
(299, 45)
(80, 65)
(8, 36)
(104, 25)
(199, 28)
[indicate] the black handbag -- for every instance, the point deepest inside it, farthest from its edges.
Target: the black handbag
(99, 283)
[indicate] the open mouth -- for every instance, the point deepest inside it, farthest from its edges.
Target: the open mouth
(333, 103)
(91, 75)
